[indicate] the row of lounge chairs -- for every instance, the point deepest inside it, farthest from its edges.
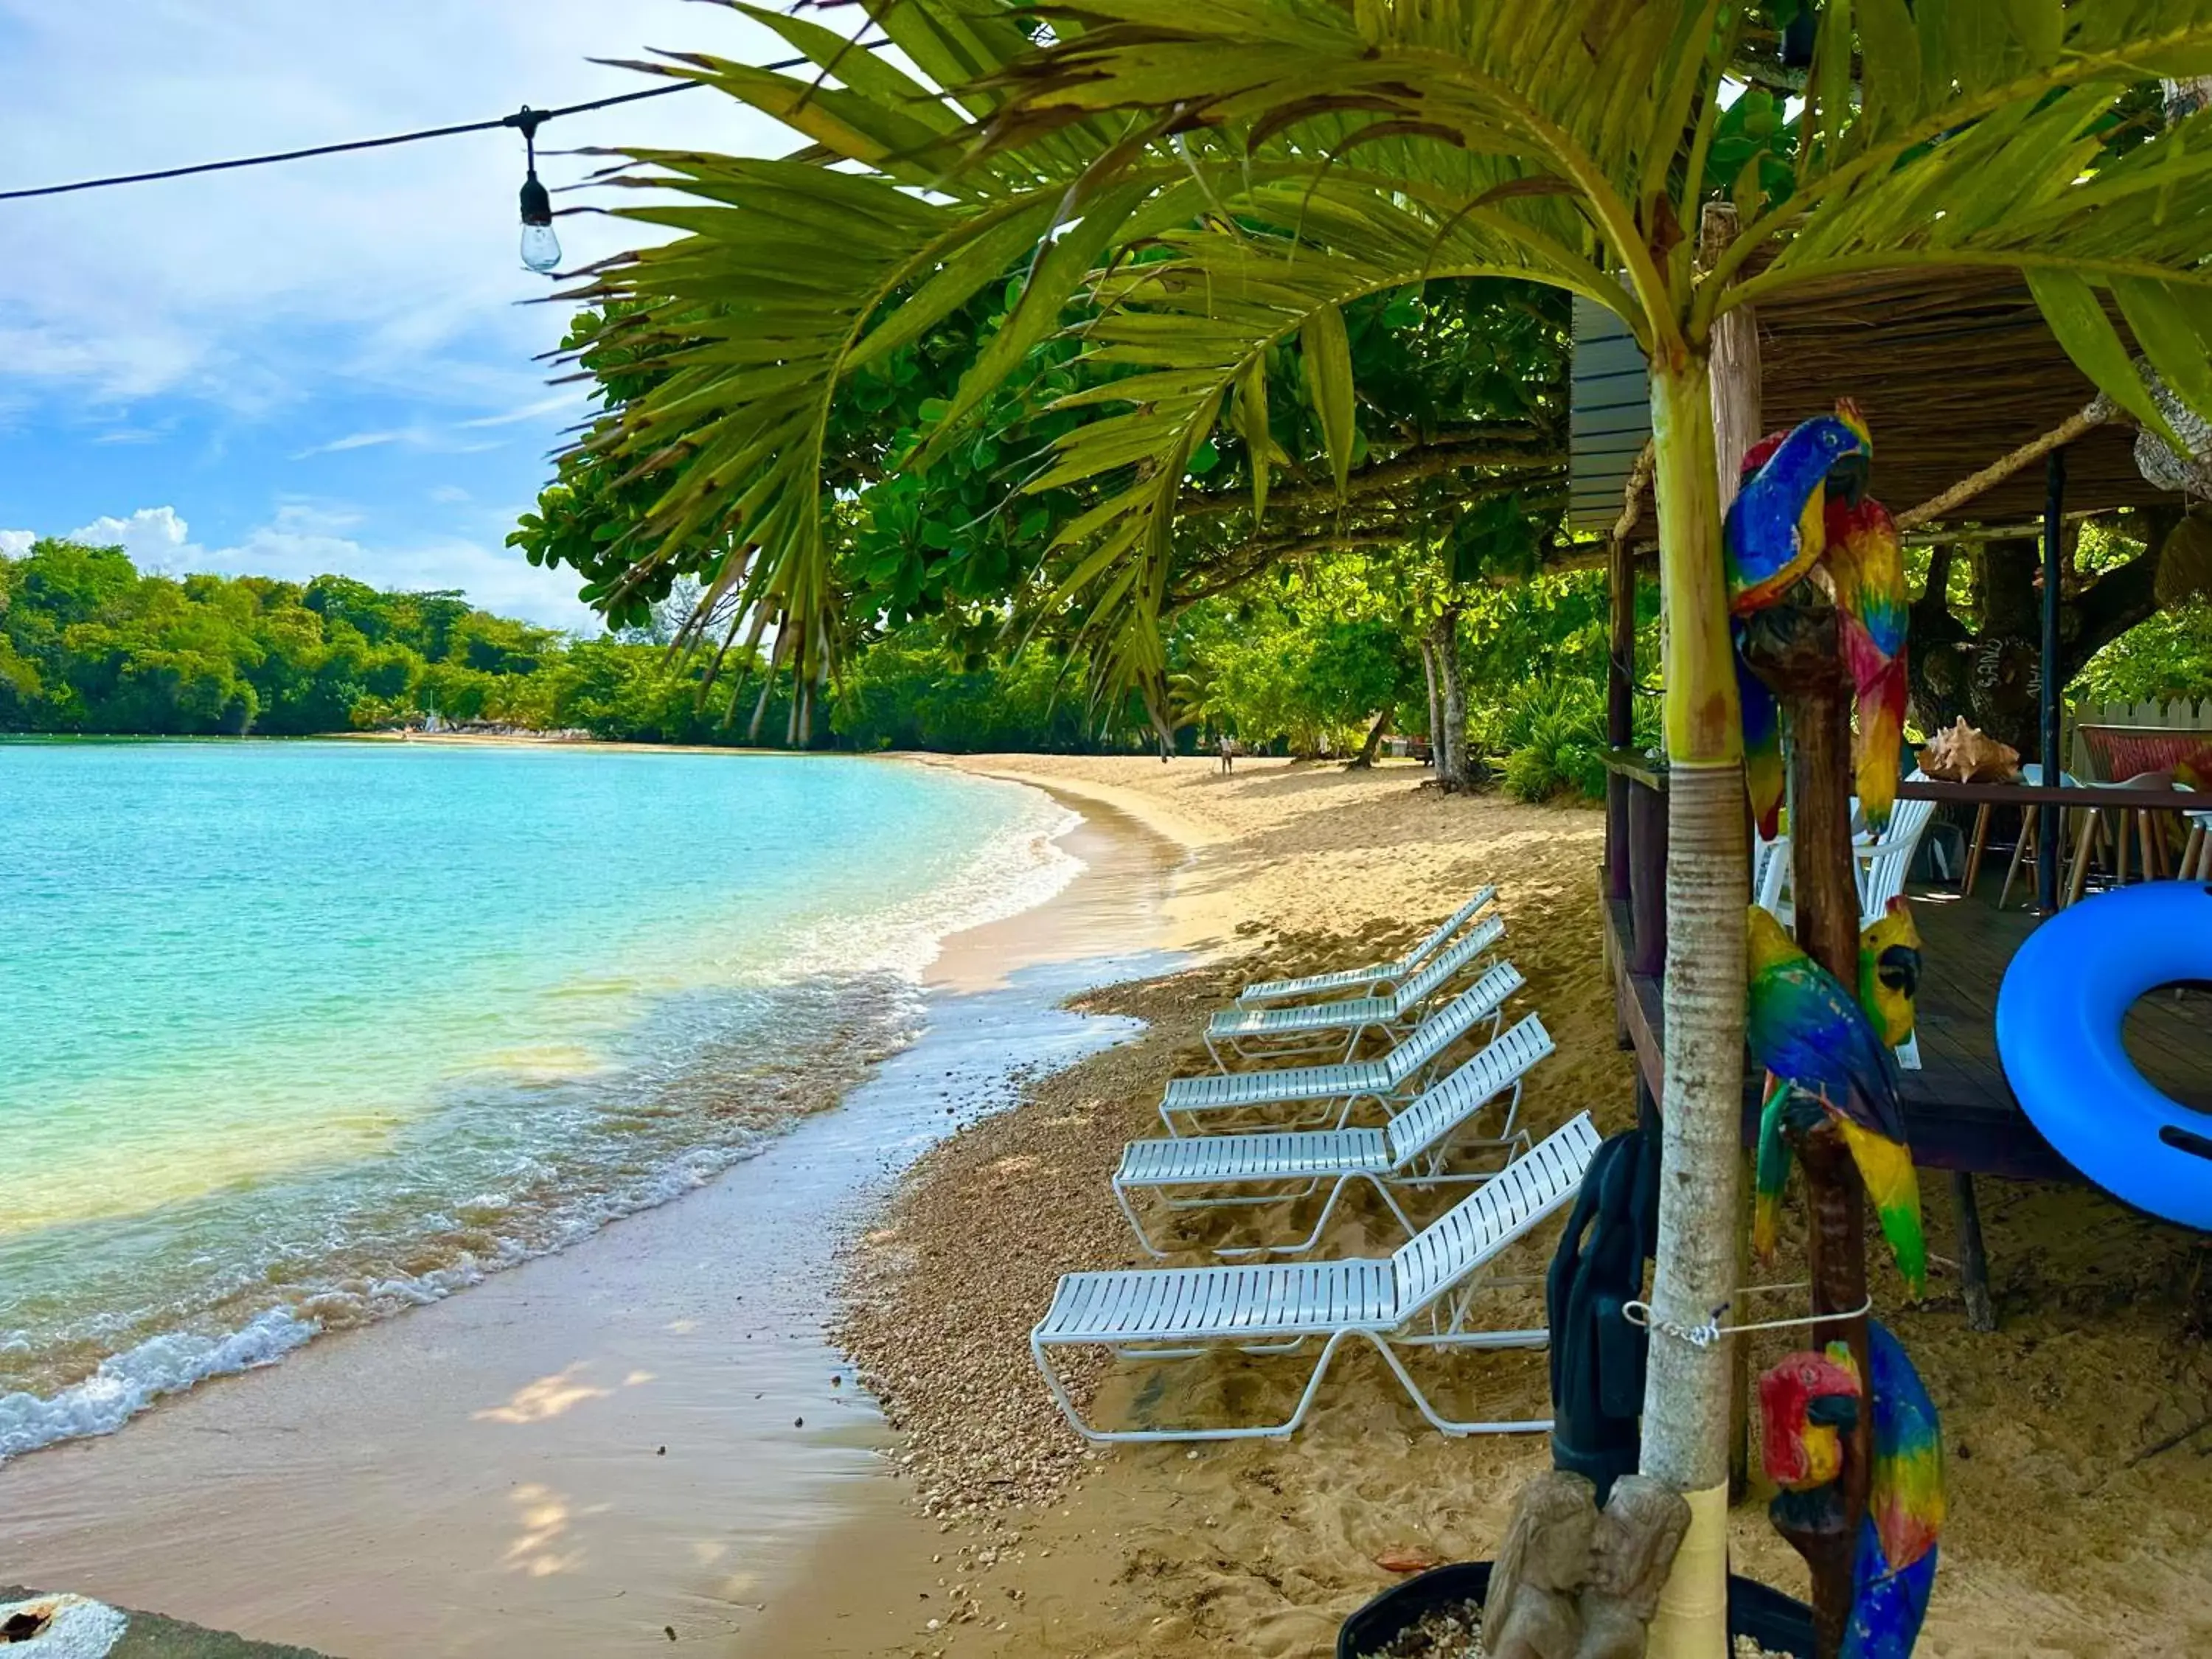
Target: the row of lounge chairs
(1253, 1142)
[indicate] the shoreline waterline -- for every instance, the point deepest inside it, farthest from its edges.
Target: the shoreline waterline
(214, 1163)
(475, 1477)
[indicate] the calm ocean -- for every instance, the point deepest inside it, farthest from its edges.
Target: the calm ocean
(295, 1035)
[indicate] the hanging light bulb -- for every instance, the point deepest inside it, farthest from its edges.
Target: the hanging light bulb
(541, 248)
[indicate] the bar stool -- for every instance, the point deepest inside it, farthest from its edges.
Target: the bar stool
(2094, 832)
(2030, 773)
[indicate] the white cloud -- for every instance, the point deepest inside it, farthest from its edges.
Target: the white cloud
(153, 536)
(352, 440)
(301, 544)
(571, 399)
(450, 495)
(304, 539)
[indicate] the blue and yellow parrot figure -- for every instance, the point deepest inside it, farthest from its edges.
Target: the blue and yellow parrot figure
(1865, 563)
(1764, 779)
(1811, 1037)
(1775, 533)
(1806, 1404)
(1889, 972)
(1776, 526)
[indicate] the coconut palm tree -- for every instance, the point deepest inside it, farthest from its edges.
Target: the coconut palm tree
(1218, 179)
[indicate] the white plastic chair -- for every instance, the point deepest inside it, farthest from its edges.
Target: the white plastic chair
(1409, 1151)
(1880, 866)
(1192, 1105)
(1313, 1027)
(1376, 979)
(1881, 863)
(1420, 1296)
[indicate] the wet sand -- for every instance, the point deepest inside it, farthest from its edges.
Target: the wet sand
(633, 1442)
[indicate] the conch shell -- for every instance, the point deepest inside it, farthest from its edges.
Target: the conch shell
(1960, 754)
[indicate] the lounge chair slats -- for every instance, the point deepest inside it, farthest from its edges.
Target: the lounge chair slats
(1181, 1308)
(1380, 1079)
(1409, 1151)
(1375, 977)
(1360, 1010)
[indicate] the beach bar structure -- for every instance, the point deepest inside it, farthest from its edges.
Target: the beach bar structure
(1981, 424)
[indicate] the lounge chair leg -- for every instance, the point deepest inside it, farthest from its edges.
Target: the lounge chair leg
(1136, 1226)
(1273, 1430)
(1449, 1425)
(1383, 1190)
(1304, 1244)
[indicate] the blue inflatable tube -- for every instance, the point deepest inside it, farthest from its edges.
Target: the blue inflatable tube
(2058, 1033)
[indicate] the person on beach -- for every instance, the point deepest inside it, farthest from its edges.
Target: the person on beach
(1228, 753)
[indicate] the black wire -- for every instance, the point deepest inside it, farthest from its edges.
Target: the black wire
(381, 143)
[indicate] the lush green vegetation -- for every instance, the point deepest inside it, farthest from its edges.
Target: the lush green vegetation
(89, 644)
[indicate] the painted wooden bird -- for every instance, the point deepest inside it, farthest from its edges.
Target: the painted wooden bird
(1775, 533)
(1814, 1040)
(1776, 526)
(1764, 777)
(1889, 972)
(1807, 1403)
(1865, 563)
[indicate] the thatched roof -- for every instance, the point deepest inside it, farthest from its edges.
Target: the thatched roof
(1953, 371)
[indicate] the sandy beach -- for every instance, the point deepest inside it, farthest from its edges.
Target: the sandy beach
(485, 1476)
(2078, 1432)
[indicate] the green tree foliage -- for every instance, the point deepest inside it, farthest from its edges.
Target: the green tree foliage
(87, 644)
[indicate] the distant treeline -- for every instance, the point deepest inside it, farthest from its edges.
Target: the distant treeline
(89, 644)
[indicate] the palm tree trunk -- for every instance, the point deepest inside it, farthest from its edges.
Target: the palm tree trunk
(1686, 1395)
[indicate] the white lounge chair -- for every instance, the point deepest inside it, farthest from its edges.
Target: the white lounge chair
(1312, 1027)
(1417, 1297)
(1375, 979)
(1409, 1151)
(1192, 1104)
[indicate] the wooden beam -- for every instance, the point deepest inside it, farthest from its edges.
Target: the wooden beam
(2096, 414)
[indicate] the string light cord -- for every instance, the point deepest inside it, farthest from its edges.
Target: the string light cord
(523, 118)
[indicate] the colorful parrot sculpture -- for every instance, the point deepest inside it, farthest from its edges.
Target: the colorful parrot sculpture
(1776, 526)
(1806, 1404)
(1764, 779)
(1775, 533)
(1865, 563)
(1815, 1040)
(1889, 972)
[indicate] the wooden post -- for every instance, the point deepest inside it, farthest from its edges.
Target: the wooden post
(1973, 1259)
(1737, 398)
(1737, 395)
(1798, 652)
(2047, 828)
(1647, 881)
(1619, 707)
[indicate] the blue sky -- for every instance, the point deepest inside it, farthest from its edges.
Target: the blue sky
(326, 365)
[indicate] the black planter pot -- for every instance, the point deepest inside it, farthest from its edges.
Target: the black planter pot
(1767, 1616)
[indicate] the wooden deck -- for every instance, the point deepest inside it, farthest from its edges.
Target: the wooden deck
(1960, 1112)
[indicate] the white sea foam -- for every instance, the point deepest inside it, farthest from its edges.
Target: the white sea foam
(1016, 869)
(126, 1384)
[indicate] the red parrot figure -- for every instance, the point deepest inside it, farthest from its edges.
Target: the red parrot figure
(1865, 563)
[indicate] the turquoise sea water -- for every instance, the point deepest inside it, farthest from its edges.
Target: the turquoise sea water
(295, 1035)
